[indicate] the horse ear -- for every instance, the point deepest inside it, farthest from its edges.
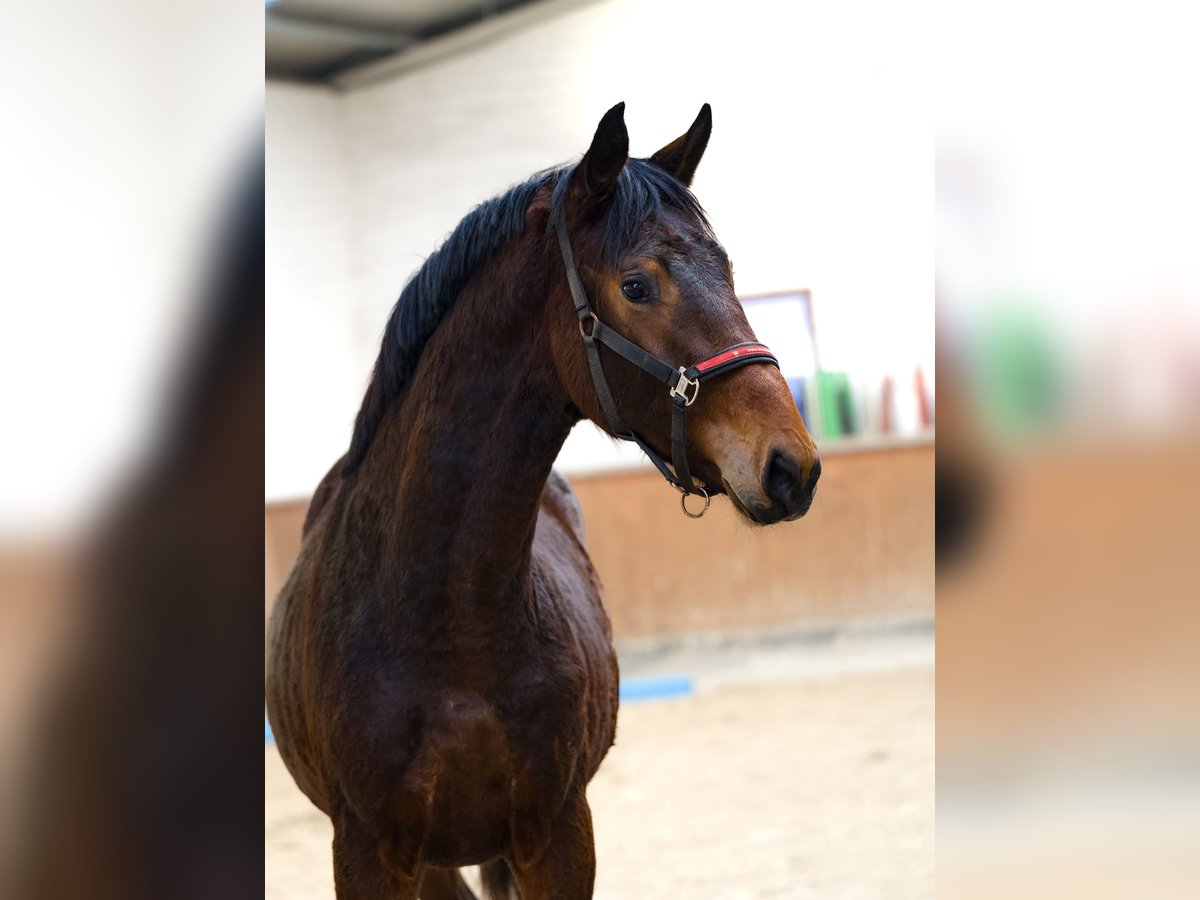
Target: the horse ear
(606, 157)
(682, 155)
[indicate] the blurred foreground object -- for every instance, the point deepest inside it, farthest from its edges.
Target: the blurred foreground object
(1069, 307)
(131, 357)
(138, 784)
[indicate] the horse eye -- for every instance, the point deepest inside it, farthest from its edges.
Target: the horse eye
(635, 290)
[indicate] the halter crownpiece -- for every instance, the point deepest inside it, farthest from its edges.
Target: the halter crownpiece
(683, 381)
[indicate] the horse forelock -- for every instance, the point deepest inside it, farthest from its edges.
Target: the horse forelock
(643, 195)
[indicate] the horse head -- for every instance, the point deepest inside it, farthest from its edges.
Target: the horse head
(654, 274)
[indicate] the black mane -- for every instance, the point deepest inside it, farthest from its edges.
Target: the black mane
(643, 191)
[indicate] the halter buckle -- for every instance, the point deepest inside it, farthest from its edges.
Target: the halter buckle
(682, 386)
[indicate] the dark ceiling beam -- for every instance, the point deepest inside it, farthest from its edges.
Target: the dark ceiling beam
(514, 15)
(334, 33)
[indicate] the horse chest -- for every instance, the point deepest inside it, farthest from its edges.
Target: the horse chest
(473, 774)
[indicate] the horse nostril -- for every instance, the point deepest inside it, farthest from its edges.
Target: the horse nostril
(783, 480)
(814, 474)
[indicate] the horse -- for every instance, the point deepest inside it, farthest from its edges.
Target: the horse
(441, 677)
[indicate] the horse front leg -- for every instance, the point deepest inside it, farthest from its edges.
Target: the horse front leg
(445, 884)
(359, 869)
(567, 869)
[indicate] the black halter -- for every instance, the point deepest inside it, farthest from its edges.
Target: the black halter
(684, 381)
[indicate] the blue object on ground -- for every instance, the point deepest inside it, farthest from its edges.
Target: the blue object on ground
(270, 737)
(635, 689)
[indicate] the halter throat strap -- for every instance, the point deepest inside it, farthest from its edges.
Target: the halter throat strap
(682, 381)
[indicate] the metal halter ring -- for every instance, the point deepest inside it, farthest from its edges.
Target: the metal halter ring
(685, 384)
(590, 317)
(683, 503)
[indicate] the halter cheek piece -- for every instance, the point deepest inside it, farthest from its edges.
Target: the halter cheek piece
(684, 382)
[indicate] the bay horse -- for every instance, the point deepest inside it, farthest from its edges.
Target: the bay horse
(441, 677)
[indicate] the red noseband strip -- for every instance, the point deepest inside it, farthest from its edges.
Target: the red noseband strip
(728, 356)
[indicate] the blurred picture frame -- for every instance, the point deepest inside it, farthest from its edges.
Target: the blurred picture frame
(783, 320)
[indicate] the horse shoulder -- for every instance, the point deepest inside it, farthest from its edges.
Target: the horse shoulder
(560, 501)
(286, 684)
(570, 603)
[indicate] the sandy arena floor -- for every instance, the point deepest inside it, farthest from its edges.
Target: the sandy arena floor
(814, 784)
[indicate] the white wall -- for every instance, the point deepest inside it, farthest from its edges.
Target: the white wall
(819, 175)
(118, 153)
(314, 364)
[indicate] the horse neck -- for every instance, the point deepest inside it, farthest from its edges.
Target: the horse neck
(459, 464)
